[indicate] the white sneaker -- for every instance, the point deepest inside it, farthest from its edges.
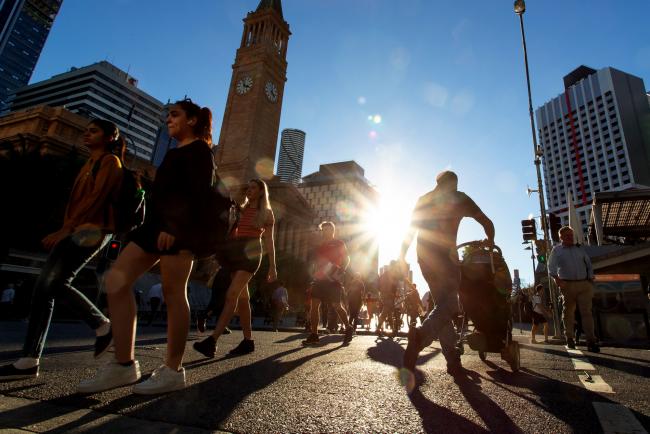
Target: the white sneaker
(162, 380)
(110, 376)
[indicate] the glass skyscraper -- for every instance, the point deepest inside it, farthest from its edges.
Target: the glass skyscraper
(24, 27)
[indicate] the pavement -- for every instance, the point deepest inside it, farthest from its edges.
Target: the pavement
(284, 387)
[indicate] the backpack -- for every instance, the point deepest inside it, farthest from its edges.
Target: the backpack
(218, 214)
(128, 203)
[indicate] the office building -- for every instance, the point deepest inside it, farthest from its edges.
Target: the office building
(101, 90)
(292, 150)
(340, 192)
(24, 28)
(594, 137)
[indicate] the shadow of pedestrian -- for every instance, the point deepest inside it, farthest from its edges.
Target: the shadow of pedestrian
(553, 395)
(437, 419)
(389, 352)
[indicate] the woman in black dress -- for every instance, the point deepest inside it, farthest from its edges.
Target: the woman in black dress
(173, 234)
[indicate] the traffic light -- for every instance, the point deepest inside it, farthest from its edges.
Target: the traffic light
(529, 230)
(542, 252)
(554, 223)
(113, 250)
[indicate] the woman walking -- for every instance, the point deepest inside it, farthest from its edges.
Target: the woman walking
(87, 227)
(174, 232)
(243, 256)
(540, 313)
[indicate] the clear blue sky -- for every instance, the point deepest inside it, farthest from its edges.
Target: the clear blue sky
(448, 82)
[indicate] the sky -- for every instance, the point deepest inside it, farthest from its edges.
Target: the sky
(405, 88)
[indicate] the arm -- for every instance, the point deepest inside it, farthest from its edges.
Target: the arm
(411, 231)
(488, 226)
(269, 245)
(553, 267)
(590, 268)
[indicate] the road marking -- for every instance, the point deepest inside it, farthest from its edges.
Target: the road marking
(617, 419)
(595, 383)
(576, 352)
(582, 365)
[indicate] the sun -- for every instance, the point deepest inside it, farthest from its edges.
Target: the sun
(387, 223)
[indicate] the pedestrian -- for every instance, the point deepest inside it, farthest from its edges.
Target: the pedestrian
(436, 218)
(540, 313)
(371, 305)
(388, 281)
(330, 262)
(156, 299)
(356, 293)
(177, 228)
(88, 224)
(220, 285)
(570, 266)
(253, 224)
(279, 303)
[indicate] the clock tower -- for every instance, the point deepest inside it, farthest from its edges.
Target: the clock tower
(251, 120)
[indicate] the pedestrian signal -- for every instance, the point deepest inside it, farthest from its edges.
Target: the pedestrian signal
(529, 230)
(113, 250)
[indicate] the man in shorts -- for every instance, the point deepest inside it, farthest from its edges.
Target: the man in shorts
(436, 218)
(330, 261)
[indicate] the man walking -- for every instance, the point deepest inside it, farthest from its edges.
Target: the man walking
(279, 304)
(330, 261)
(436, 218)
(570, 267)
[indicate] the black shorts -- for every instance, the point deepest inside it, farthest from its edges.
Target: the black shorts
(538, 318)
(146, 237)
(241, 254)
(327, 291)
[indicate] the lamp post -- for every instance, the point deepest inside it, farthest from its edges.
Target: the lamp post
(520, 8)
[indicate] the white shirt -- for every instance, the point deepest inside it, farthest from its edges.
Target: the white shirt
(8, 295)
(537, 304)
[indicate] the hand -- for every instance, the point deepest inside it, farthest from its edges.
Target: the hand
(489, 243)
(272, 276)
(165, 241)
(54, 238)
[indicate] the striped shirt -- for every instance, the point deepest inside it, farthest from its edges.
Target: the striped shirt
(246, 226)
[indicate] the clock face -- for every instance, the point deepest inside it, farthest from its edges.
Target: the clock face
(271, 91)
(244, 85)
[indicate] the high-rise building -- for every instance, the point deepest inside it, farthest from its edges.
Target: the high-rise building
(594, 137)
(340, 192)
(292, 150)
(104, 91)
(24, 27)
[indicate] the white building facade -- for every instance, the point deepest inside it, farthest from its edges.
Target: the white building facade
(594, 137)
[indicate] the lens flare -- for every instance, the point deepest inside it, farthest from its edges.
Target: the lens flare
(406, 379)
(376, 119)
(361, 100)
(345, 210)
(87, 237)
(264, 168)
(372, 134)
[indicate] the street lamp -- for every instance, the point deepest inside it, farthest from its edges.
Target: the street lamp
(520, 8)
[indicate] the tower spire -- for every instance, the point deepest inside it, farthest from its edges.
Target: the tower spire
(270, 4)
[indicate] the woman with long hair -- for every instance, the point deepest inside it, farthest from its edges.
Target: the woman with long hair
(242, 256)
(173, 234)
(88, 225)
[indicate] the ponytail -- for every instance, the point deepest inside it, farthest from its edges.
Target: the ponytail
(203, 127)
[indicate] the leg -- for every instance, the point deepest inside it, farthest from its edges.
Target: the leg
(584, 301)
(131, 264)
(546, 331)
(245, 315)
(175, 271)
(239, 282)
(568, 310)
(315, 315)
(342, 314)
(62, 265)
(533, 332)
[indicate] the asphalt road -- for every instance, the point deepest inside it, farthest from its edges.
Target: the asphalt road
(283, 387)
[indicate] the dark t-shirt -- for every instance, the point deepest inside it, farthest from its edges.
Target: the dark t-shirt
(437, 216)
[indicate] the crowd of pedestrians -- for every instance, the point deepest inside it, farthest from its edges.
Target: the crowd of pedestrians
(172, 236)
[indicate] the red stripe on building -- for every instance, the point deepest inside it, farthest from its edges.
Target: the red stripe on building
(576, 151)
